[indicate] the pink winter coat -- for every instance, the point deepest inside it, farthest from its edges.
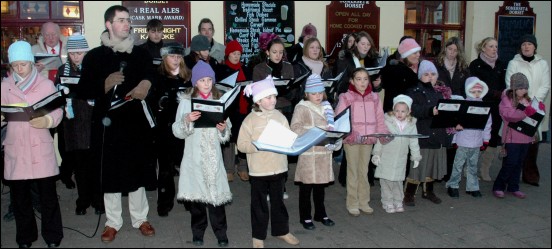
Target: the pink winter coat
(509, 114)
(29, 152)
(366, 115)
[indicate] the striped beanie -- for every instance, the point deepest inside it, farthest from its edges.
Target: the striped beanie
(77, 43)
(314, 84)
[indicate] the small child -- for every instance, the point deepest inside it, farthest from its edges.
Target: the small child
(266, 169)
(514, 107)
(366, 118)
(391, 158)
(202, 179)
(314, 168)
(470, 142)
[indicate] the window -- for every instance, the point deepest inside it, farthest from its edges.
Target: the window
(433, 22)
(21, 20)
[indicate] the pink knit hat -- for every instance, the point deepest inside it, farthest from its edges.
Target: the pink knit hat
(407, 47)
(260, 89)
(309, 29)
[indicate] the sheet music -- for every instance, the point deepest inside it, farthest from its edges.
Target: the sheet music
(276, 134)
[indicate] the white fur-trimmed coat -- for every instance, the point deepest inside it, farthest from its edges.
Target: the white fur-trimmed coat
(202, 173)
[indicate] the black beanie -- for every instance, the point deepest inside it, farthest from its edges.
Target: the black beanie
(528, 38)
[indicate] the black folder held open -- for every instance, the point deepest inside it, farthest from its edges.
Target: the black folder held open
(40, 108)
(469, 114)
(214, 111)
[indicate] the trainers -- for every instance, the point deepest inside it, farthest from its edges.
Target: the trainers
(399, 208)
(367, 210)
(390, 209)
(290, 239)
(354, 211)
(257, 243)
(498, 194)
(519, 194)
(453, 192)
(286, 196)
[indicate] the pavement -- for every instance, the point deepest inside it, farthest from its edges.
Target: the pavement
(463, 222)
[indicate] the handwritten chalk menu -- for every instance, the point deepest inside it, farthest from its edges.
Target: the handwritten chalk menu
(174, 15)
(513, 20)
(244, 21)
(345, 17)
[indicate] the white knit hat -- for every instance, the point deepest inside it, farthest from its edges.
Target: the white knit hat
(401, 98)
(261, 89)
(20, 51)
(77, 43)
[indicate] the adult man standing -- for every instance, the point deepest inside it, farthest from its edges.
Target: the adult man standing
(207, 29)
(154, 43)
(50, 42)
(121, 135)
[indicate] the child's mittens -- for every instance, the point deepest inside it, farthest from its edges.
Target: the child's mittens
(376, 160)
(484, 146)
(541, 106)
(43, 122)
(416, 164)
(455, 146)
(529, 111)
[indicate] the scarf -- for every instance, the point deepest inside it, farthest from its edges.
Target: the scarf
(450, 66)
(400, 124)
(276, 68)
(25, 83)
(243, 103)
(329, 113)
(125, 45)
(204, 96)
(315, 66)
(447, 93)
(528, 59)
(489, 60)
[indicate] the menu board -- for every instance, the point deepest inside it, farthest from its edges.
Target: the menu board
(513, 20)
(244, 21)
(345, 17)
(173, 14)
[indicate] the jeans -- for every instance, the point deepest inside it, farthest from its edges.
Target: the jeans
(469, 157)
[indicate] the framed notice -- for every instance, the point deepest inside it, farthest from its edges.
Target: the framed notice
(175, 16)
(244, 21)
(513, 20)
(345, 17)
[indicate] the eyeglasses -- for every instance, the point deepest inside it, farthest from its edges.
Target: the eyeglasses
(50, 35)
(123, 20)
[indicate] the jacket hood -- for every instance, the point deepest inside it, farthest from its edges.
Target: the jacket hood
(470, 82)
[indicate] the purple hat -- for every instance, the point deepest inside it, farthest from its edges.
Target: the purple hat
(314, 84)
(202, 70)
(260, 89)
(426, 66)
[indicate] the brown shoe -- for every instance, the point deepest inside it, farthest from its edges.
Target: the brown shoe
(244, 176)
(147, 229)
(230, 177)
(108, 234)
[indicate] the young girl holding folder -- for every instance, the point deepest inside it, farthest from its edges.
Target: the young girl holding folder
(267, 170)
(203, 180)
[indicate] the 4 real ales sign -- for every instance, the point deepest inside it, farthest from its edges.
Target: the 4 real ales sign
(345, 17)
(175, 16)
(245, 20)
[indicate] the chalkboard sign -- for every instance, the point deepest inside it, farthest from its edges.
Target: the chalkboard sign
(513, 20)
(244, 21)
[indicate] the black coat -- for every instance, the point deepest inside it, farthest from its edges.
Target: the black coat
(458, 82)
(300, 68)
(125, 143)
(396, 78)
(347, 64)
(425, 99)
(495, 79)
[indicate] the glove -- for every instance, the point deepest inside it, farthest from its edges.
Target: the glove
(376, 160)
(43, 122)
(484, 146)
(386, 139)
(529, 111)
(415, 165)
(541, 106)
(455, 146)
(330, 147)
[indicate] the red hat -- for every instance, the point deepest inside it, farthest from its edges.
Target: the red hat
(309, 29)
(232, 47)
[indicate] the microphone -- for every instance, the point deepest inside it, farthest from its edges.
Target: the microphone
(122, 66)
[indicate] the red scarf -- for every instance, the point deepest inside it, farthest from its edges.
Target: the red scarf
(366, 92)
(244, 105)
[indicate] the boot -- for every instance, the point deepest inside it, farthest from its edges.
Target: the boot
(486, 161)
(409, 193)
(429, 194)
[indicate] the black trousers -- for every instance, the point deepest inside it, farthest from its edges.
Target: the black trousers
(530, 172)
(87, 175)
(169, 152)
(217, 217)
(26, 228)
(305, 191)
(279, 218)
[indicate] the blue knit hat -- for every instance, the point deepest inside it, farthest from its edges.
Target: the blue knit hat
(202, 70)
(20, 51)
(77, 43)
(426, 66)
(314, 84)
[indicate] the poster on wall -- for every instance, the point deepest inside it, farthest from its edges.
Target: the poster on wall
(345, 17)
(513, 20)
(244, 21)
(175, 16)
